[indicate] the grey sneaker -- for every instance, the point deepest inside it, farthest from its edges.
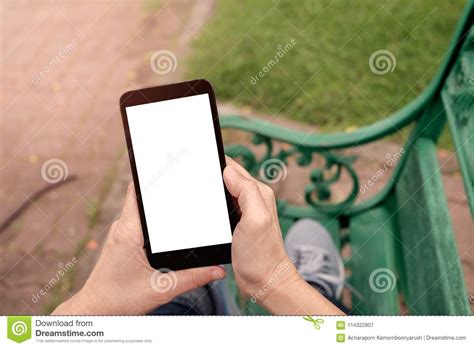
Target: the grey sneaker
(311, 248)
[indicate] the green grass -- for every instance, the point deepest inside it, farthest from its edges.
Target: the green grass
(325, 79)
(151, 5)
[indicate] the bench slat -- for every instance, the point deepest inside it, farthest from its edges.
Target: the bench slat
(374, 271)
(433, 276)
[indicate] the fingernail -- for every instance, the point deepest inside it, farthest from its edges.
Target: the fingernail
(217, 273)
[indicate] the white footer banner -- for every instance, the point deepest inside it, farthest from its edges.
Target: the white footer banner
(236, 331)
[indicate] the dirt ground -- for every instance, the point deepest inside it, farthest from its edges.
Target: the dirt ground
(63, 71)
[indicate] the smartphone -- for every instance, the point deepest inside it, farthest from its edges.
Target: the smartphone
(177, 160)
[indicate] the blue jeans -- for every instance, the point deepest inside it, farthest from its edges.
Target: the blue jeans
(214, 300)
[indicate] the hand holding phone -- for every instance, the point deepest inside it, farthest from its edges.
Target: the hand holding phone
(122, 282)
(177, 158)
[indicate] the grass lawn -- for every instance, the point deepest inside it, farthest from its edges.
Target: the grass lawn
(323, 77)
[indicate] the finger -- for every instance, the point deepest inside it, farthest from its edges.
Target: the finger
(245, 190)
(265, 191)
(193, 278)
(241, 170)
(130, 219)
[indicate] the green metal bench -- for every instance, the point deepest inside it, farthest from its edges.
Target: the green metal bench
(403, 249)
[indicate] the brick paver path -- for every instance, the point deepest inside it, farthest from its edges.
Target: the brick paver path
(64, 66)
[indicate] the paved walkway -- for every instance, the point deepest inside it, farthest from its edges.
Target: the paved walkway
(64, 67)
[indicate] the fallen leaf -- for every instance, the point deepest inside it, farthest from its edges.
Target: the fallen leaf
(92, 245)
(33, 158)
(351, 129)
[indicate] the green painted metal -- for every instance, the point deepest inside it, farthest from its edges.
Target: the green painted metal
(412, 113)
(247, 306)
(318, 192)
(406, 227)
(373, 262)
(434, 280)
(458, 100)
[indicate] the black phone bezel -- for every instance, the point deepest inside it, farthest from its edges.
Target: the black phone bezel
(184, 258)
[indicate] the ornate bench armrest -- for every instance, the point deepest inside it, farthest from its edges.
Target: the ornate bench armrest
(336, 140)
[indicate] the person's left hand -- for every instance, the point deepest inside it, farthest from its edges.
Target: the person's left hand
(123, 283)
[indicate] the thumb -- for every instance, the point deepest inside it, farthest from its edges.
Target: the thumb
(193, 278)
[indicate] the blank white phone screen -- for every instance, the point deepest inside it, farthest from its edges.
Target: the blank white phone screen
(179, 173)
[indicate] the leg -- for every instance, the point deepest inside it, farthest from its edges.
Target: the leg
(195, 302)
(317, 259)
(212, 299)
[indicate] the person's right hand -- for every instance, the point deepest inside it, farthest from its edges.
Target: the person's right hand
(259, 260)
